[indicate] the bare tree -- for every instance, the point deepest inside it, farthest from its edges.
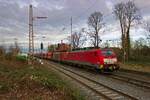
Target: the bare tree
(95, 21)
(119, 13)
(16, 49)
(2, 53)
(147, 27)
(77, 39)
(93, 38)
(127, 14)
(106, 44)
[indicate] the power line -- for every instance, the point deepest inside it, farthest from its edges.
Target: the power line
(85, 11)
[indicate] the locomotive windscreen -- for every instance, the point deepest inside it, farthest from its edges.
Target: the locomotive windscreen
(107, 52)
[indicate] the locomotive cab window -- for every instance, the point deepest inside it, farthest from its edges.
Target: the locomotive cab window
(107, 52)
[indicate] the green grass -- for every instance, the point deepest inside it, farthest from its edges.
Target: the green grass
(21, 58)
(52, 80)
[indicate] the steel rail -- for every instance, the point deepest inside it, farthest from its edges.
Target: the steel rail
(136, 82)
(95, 82)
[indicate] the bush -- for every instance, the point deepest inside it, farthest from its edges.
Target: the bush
(21, 58)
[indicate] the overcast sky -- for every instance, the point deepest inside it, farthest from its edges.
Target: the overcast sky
(14, 19)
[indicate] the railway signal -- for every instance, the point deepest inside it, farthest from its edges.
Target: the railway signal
(42, 46)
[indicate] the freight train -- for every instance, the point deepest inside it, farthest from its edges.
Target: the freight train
(104, 60)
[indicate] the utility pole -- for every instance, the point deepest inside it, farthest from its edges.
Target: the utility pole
(124, 51)
(31, 40)
(71, 33)
(71, 25)
(31, 34)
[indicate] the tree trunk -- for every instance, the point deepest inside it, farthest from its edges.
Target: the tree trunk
(123, 46)
(128, 44)
(97, 39)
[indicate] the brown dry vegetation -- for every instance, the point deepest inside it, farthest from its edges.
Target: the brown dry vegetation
(19, 81)
(136, 67)
(139, 59)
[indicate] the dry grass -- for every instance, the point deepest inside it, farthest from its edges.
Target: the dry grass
(136, 66)
(22, 82)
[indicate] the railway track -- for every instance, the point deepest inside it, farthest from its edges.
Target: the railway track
(128, 79)
(100, 89)
(131, 80)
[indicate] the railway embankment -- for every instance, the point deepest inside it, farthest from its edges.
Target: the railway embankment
(139, 68)
(23, 82)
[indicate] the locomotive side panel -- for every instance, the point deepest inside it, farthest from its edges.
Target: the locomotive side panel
(49, 55)
(56, 56)
(81, 57)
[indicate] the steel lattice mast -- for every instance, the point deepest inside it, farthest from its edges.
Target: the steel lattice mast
(31, 35)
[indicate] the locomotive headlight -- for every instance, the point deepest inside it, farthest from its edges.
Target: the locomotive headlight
(110, 60)
(115, 59)
(106, 60)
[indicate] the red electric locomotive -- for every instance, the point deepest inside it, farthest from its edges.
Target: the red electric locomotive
(101, 59)
(104, 60)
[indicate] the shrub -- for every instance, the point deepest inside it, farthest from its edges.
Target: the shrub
(21, 58)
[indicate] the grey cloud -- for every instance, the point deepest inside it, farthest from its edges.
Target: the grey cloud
(14, 16)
